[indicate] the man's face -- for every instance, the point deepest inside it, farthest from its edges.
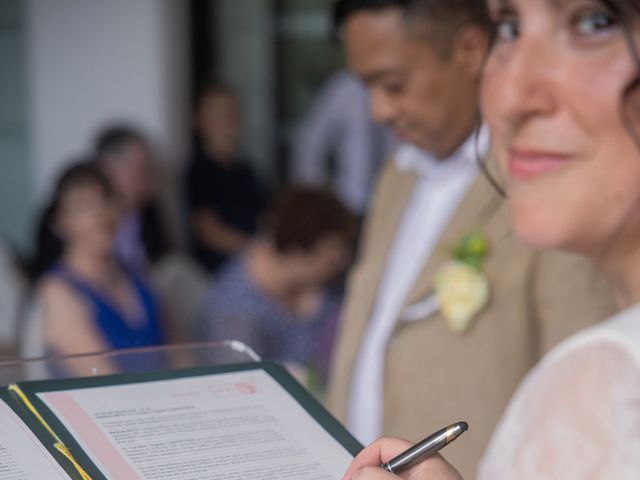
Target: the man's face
(425, 99)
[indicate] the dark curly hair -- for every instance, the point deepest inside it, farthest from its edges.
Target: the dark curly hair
(299, 217)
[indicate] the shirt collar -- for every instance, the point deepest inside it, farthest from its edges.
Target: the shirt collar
(411, 159)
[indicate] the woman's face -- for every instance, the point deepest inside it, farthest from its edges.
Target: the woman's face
(552, 95)
(87, 217)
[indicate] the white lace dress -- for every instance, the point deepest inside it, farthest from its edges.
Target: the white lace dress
(576, 416)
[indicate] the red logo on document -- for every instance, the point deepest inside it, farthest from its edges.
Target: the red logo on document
(246, 388)
(230, 390)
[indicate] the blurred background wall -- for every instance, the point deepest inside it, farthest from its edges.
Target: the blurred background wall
(17, 172)
(90, 63)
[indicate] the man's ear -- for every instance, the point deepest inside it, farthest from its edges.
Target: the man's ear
(470, 48)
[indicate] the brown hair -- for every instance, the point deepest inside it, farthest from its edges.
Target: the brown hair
(111, 141)
(300, 217)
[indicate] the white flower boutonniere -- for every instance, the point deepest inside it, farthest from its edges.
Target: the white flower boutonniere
(460, 286)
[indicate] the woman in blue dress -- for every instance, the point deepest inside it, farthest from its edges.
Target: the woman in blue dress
(89, 301)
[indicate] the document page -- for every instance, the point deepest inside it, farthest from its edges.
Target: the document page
(230, 426)
(22, 456)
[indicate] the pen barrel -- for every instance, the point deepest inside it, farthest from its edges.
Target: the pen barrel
(418, 452)
(425, 448)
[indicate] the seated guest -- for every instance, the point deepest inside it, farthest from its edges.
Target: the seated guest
(89, 300)
(223, 196)
(125, 157)
(142, 240)
(274, 296)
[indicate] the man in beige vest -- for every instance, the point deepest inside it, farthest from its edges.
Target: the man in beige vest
(446, 311)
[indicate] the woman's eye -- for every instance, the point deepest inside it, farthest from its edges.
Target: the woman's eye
(507, 30)
(594, 23)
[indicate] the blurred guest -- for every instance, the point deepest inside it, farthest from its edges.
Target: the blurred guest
(223, 195)
(142, 241)
(338, 129)
(89, 300)
(125, 157)
(274, 296)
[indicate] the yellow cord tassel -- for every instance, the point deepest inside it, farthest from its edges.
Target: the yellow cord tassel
(59, 445)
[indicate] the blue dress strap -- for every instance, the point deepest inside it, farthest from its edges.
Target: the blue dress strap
(108, 318)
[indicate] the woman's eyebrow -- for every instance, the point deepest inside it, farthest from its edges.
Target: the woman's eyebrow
(556, 4)
(559, 4)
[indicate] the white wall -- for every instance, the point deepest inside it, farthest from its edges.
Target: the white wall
(15, 169)
(91, 62)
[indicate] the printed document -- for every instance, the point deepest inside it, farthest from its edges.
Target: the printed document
(230, 426)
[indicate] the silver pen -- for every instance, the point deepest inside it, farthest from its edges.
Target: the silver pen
(425, 448)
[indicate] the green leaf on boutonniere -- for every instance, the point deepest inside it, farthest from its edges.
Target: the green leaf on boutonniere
(472, 249)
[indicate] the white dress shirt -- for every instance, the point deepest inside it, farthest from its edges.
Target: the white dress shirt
(339, 125)
(440, 187)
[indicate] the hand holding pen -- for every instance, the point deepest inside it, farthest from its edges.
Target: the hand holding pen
(422, 460)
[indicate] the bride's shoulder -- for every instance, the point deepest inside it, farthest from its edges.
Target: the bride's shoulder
(576, 400)
(618, 335)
